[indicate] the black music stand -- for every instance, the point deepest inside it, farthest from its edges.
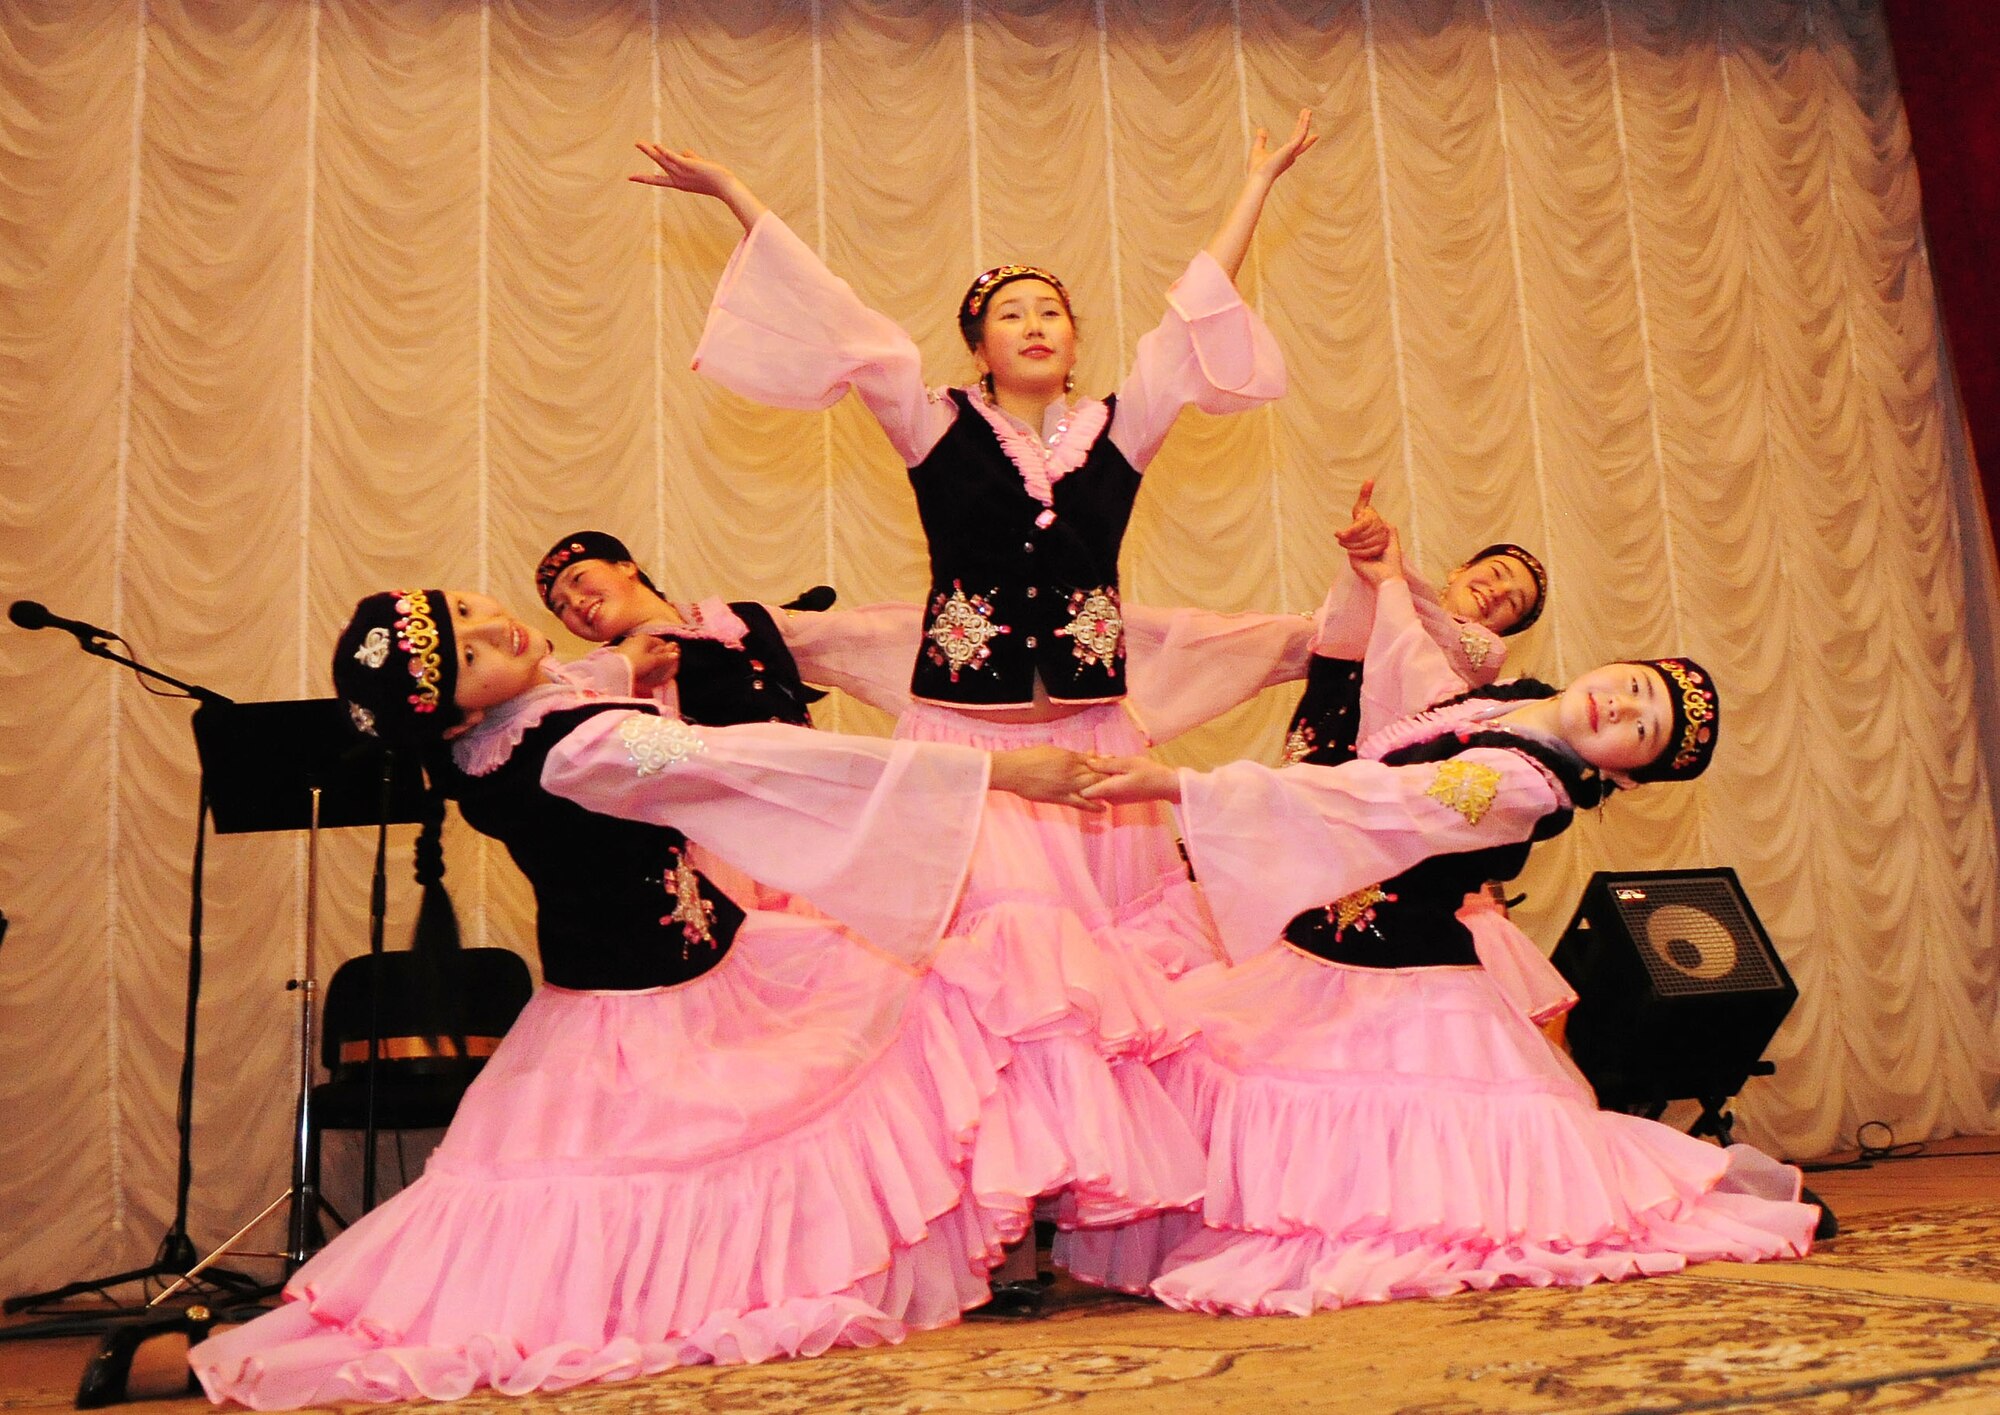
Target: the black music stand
(300, 765)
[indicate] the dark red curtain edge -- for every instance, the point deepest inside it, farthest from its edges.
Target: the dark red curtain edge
(1944, 56)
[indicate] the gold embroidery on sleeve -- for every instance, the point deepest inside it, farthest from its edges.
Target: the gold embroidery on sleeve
(1466, 787)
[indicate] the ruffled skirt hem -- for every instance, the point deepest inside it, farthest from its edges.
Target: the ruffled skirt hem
(1052, 950)
(295, 1357)
(586, 1219)
(1376, 1134)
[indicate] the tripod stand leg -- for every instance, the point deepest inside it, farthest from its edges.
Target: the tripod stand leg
(96, 1286)
(1715, 1120)
(228, 1244)
(176, 1257)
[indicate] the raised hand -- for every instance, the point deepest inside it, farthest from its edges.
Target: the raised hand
(1388, 565)
(1366, 536)
(655, 662)
(1270, 164)
(1054, 775)
(1129, 779)
(688, 171)
(1232, 239)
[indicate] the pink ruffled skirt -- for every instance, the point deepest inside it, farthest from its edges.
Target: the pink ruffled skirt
(767, 1161)
(1051, 948)
(1380, 1134)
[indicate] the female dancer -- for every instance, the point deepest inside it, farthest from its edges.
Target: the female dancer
(1024, 497)
(1498, 593)
(1382, 1120)
(730, 661)
(739, 668)
(716, 1134)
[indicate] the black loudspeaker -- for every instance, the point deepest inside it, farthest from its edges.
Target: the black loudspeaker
(1679, 989)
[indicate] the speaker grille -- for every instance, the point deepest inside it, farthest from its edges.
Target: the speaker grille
(1694, 937)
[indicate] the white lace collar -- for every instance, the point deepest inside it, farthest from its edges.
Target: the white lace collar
(486, 747)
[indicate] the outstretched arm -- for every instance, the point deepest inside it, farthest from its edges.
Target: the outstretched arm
(787, 332)
(687, 171)
(1210, 350)
(809, 813)
(1232, 241)
(1266, 844)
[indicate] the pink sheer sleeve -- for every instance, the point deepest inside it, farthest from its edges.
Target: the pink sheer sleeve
(786, 331)
(878, 834)
(1404, 670)
(1519, 969)
(1267, 844)
(1186, 666)
(865, 652)
(1211, 350)
(1476, 653)
(1346, 618)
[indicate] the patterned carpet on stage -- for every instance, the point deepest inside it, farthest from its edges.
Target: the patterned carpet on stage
(1901, 1311)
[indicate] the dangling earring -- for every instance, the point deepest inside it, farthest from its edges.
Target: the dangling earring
(1069, 383)
(986, 382)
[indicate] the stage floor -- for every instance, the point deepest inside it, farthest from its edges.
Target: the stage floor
(1901, 1311)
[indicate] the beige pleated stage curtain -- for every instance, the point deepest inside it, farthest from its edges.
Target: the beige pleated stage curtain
(298, 301)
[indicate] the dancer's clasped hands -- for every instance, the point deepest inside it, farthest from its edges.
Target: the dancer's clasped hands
(1053, 775)
(1126, 780)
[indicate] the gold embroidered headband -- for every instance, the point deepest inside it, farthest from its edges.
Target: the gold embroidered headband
(396, 665)
(982, 289)
(1697, 717)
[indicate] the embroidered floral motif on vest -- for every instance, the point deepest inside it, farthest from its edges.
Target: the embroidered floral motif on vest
(1475, 644)
(961, 625)
(1299, 742)
(1096, 630)
(1466, 787)
(694, 914)
(1356, 910)
(655, 743)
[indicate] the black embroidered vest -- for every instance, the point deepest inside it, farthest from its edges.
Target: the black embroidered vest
(1411, 921)
(617, 904)
(1018, 588)
(1323, 729)
(720, 686)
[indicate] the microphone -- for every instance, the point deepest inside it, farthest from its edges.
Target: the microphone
(31, 614)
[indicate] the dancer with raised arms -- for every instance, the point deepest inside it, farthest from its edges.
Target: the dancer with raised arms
(1024, 494)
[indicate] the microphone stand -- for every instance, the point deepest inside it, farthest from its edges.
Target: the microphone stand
(91, 644)
(176, 1253)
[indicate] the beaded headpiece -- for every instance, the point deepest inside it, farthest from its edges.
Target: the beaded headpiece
(396, 666)
(973, 306)
(1697, 716)
(1528, 562)
(581, 545)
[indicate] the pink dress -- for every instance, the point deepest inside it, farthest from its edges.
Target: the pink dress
(1050, 943)
(1382, 1116)
(716, 1135)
